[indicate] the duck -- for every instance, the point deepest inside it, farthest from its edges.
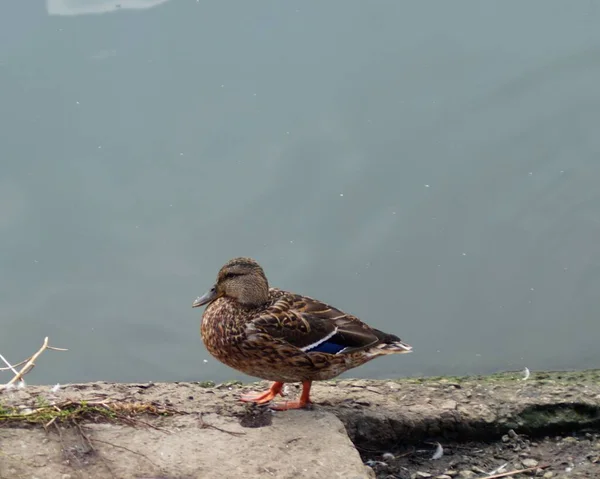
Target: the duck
(281, 336)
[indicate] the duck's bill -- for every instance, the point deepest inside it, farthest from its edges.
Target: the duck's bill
(205, 298)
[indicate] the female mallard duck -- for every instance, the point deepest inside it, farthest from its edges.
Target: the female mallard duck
(281, 336)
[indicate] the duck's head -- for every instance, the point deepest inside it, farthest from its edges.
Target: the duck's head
(241, 279)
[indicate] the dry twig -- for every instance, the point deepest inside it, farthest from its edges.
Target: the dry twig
(13, 366)
(93, 449)
(102, 410)
(29, 363)
(518, 471)
(125, 449)
(10, 366)
(205, 425)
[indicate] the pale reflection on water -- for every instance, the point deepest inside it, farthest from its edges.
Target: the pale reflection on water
(82, 7)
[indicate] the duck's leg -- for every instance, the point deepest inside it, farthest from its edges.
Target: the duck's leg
(265, 397)
(301, 403)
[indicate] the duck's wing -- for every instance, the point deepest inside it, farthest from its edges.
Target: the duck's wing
(313, 326)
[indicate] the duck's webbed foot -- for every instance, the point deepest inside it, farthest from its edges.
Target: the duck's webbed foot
(303, 402)
(268, 396)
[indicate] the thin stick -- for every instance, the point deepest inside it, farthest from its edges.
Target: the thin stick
(205, 425)
(125, 449)
(89, 443)
(14, 365)
(144, 423)
(49, 423)
(10, 366)
(31, 362)
(519, 471)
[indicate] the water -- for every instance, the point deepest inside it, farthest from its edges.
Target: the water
(431, 167)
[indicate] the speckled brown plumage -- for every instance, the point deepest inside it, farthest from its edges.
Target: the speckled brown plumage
(281, 336)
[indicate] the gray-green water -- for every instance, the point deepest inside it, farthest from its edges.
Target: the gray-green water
(433, 167)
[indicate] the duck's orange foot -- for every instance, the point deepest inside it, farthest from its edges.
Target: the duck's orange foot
(287, 405)
(265, 397)
(302, 403)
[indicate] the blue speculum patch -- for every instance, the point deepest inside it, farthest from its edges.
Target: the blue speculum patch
(327, 347)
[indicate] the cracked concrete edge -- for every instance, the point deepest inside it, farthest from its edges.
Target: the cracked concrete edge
(378, 414)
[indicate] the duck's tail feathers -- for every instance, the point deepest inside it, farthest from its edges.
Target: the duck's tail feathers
(397, 347)
(391, 344)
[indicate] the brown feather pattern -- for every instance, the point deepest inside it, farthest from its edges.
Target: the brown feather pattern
(269, 334)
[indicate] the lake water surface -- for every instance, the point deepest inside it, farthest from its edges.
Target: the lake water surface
(432, 167)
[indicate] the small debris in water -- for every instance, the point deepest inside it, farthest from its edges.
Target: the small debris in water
(498, 470)
(55, 388)
(526, 374)
(439, 452)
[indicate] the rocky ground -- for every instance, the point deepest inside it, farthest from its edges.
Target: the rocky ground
(548, 457)
(484, 427)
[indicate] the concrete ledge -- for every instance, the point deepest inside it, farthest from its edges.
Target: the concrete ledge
(217, 436)
(296, 444)
(469, 409)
